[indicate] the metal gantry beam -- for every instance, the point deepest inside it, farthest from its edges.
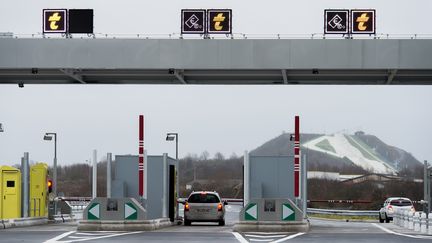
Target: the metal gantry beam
(248, 61)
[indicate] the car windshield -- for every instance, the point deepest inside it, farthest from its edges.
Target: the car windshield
(400, 203)
(203, 198)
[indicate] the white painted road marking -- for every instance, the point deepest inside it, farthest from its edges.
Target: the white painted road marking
(68, 238)
(239, 237)
(264, 237)
(400, 234)
(289, 237)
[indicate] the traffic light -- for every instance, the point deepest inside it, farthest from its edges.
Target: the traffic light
(50, 185)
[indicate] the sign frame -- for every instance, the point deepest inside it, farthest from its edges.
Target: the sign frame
(355, 32)
(348, 22)
(209, 21)
(204, 25)
(65, 21)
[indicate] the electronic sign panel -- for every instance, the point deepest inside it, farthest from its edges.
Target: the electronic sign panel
(219, 21)
(336, 21)
(193, 21)
(80, 21)
(54, 20)
(363, 21)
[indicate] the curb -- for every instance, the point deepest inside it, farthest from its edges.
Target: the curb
(123, 225)
(23, 222)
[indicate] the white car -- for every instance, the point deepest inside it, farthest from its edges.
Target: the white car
(391, 205)
(204, 206)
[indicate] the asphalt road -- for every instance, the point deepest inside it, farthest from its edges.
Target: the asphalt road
(321, 231)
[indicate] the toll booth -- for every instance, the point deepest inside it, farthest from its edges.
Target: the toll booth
(10, 192)
(160, 190)
(38, 190)
(271, 177)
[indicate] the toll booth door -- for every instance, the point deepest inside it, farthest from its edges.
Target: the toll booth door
(171, 198)
(11, 205)
(38, 191)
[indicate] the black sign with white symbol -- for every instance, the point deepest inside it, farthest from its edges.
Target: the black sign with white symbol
(219, 21)
(54, 20)
(81, 21)
(363, 21)
(336, 21)
(193, 21)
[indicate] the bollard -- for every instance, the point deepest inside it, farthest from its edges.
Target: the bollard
(430, 224)
(406, 220)
(423, 223)
(416, 221)
(411, 222)
(396, 217)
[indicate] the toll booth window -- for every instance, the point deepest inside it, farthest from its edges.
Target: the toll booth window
(203, 198)
(10, 184)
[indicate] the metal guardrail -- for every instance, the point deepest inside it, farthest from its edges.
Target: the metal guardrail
(343, 212)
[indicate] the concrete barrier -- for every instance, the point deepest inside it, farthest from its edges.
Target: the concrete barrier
(123, 225)
(118, 214)
(271, 215)
(23, 222)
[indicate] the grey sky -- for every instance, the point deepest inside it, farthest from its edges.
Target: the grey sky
(213, 118)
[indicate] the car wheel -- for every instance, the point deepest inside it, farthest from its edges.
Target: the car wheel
(381, 220)
(222, 222)
(387, 219)
(187, 222)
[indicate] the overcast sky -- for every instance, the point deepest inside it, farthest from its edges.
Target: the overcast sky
(229, 119)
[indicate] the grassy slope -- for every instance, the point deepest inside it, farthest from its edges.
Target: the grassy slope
(325, 144)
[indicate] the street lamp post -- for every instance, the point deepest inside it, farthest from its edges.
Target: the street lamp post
(48, 137)
(171, 137)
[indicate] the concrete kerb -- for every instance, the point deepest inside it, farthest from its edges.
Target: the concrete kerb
(123, 225)
(23, 222)
(272, 226)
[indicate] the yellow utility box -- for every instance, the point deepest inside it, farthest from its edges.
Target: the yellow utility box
(38, 190)
(10, 192)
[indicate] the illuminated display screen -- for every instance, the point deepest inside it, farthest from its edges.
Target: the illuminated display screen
(193, 21)
(219, 21)
(54, 20)
(363, 21)
(336, 21)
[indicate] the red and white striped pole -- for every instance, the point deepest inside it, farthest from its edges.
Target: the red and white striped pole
(297, 157)
(141, 156)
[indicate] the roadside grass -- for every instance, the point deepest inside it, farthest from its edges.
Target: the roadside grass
(343, 217)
